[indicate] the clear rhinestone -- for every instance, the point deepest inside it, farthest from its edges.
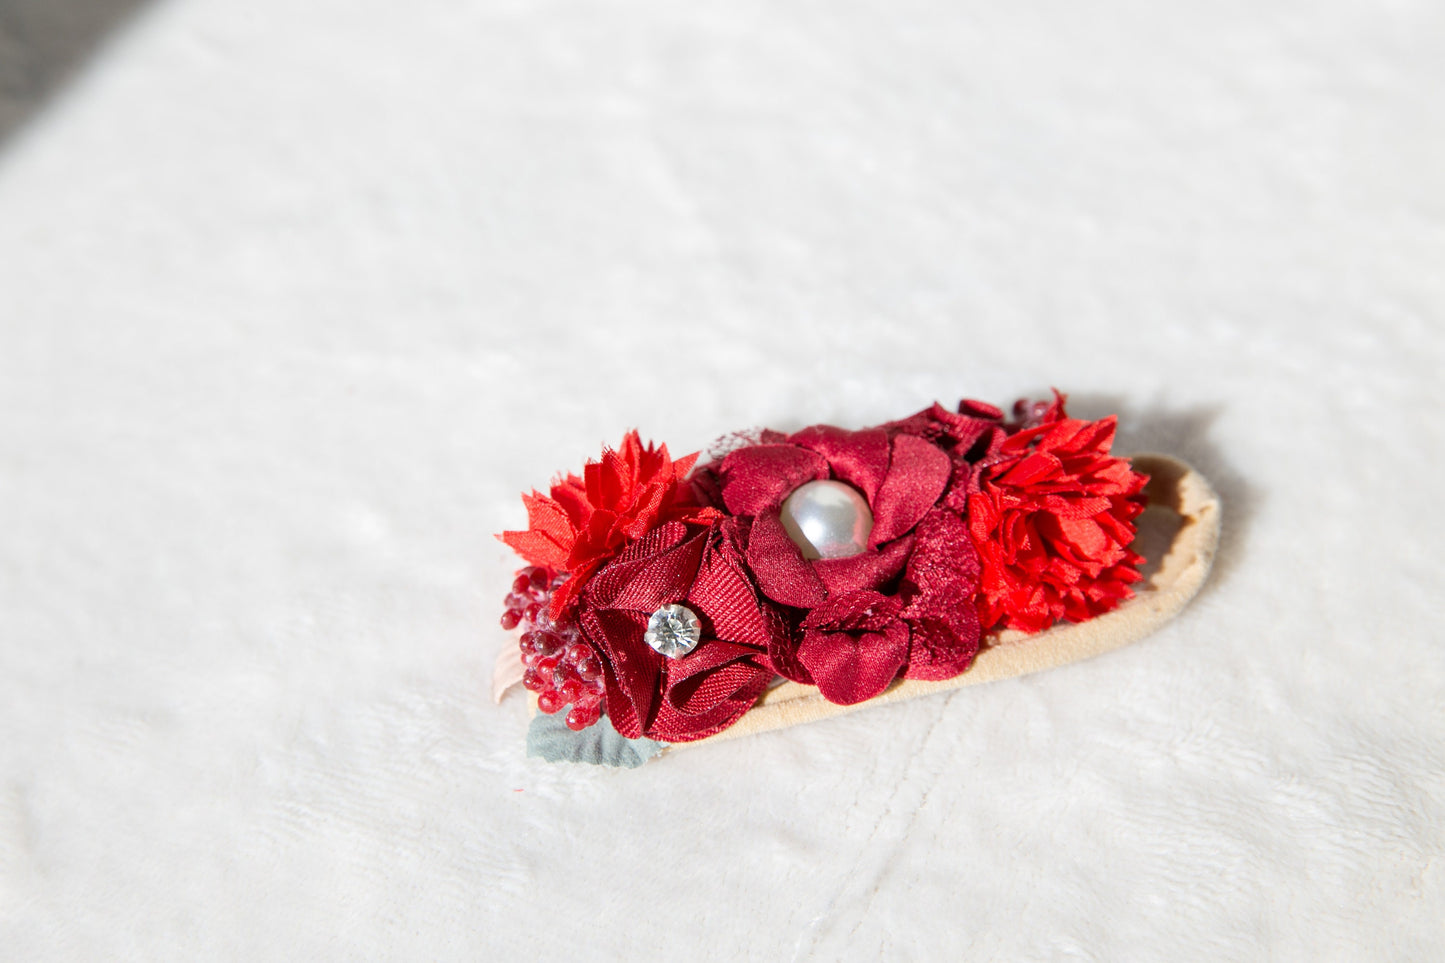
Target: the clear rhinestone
(673, 630)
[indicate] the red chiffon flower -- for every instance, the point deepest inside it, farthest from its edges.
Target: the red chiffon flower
(707, 690)
(588, 520)
(1052, 517)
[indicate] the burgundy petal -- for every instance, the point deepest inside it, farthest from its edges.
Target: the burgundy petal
(917, 476)
(955, 432)
(674, 724)
(943, 553)
(643, 576)
(714, 671)
(758, 478)
(870, 570)
(944, 634)
(859, 458)
(783, 574)
(630, 661)
(723, 593)
(853, 667)
(854, 646)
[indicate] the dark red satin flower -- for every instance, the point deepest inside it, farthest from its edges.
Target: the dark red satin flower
(1052, 517)
(900, 477)
(707, 690)
(903, 606)
(588, 520)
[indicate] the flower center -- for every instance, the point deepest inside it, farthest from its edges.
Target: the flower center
(673, 630)
(827, 519)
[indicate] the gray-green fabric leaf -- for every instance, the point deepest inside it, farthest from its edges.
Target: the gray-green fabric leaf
(599, 745)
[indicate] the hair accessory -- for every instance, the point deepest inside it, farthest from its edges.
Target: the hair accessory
(791, 577)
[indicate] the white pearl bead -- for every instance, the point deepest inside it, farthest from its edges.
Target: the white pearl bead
(827, 519)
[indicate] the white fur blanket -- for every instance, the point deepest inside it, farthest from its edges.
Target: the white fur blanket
(295, 298)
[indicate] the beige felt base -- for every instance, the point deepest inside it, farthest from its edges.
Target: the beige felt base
(1181, 527)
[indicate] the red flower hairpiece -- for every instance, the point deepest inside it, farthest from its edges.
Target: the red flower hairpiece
(845, 560)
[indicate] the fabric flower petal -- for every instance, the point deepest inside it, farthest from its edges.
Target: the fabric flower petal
(782, 573)
(917, 475)
(624, 584)
(630, 665)
(759, 478)
(869, 570)
(969, 434)
(859, 458)
(854, 646)
(699, 682)
(723, 592)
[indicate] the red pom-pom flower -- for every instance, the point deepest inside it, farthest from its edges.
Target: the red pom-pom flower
(1052, 517)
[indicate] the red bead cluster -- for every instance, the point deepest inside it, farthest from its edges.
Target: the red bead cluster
(528, 599)
(560, 666)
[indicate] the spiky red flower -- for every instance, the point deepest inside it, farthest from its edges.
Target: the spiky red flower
(588, 520)
(1052, 517)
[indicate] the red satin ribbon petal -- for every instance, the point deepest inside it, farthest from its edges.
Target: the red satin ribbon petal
(759, 478)
(854, 646)
(869, 570)
(724, 594)
(859, 458)
(917, 475)
(782, 573)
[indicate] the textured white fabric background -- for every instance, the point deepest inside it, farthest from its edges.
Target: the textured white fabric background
(294, 298)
